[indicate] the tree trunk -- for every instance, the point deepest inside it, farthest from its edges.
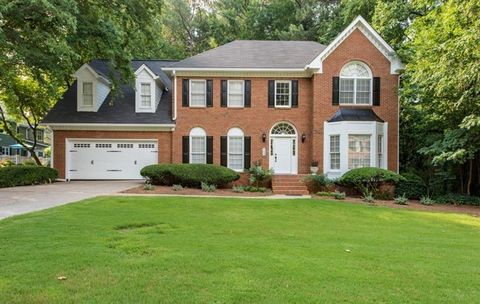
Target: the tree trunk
(35, 157)
(470, 176)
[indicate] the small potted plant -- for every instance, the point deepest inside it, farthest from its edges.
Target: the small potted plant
(314, 166)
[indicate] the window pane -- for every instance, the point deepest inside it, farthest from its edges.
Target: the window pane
(363, 91)
(235, 93)
(235, 152)
(380, 151)
(282, 94)
(198, 155)
(198, 93)
(335, 152)
(145, 89)
(88, 93)
(346, 90)
(145, 95)
(358, 151)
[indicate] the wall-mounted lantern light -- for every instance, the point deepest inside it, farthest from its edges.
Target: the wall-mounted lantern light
(304, 137)
(264, 137)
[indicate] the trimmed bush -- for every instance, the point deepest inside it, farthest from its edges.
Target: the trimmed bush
(413, 187)
(26, 175)
(316, 183)
(189, 175)
(458, 199)
(369, 179)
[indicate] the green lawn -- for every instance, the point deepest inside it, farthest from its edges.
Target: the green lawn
(208, 250)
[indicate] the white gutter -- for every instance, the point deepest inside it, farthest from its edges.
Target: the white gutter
(235, 69)
(174, 112)
(111, 127)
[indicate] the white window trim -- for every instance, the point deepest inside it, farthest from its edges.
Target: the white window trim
(371, 146)
(197, 132)
(355, 85)
(243, 93)
(190, 93)
(83, 105)
(236, 132)
(152, 96)
(380, 151)
(339, 152)
(289, 94)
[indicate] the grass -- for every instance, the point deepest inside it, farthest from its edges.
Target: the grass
(209, 250)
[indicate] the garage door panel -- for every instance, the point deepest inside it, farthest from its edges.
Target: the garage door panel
(110, 159)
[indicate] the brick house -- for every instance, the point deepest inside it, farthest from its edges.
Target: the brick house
(283, 104)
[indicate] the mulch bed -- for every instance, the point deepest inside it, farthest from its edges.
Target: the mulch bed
(192, 191)
(415, 205)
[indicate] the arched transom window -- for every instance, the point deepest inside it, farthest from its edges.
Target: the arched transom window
(355, 84)
(283, 129)
(198, 146)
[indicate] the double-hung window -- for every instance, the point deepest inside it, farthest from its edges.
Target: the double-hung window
(145, 95)
(355, 84)
(236, 93)
(87, 94)
(358, 151)
(335, 152)
(283, 97)
(380, 151)
(198, 93)
(198, 146)
(235, 149)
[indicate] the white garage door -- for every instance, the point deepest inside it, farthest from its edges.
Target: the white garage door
(119, 159)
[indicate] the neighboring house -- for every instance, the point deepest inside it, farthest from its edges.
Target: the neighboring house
(280, 103)
(10, 147)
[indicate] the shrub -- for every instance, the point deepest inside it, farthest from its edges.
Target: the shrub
(339, 195)
(458, 199)
(325, 193)
(316, 182)
(426, 200)
(413, 187)
(401, 200)
(259, 176)
(208, 188)
(147, 186)
(6, 163)
(189, 175)
(237, 189)
(254, 189)
(368, 179)
(26, 175)
(368, 197)
(177, 188)
(29, 162)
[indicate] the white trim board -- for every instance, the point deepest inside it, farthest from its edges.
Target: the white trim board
(361, 24)
(112, 127)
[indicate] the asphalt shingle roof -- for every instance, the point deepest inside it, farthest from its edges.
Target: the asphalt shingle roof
(122, 109)
(255, 54)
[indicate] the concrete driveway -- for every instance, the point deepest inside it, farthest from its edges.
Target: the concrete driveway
(19, 200)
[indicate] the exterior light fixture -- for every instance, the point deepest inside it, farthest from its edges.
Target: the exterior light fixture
(304, 137)
(264, 137)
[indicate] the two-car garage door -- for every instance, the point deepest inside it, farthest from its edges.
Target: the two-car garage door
(104, 159)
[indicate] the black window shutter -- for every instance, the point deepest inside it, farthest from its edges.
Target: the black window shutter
(376, 91)
(294, 93)
(209, 93)
(271, 93)
(209, 149)
(223, 151)
(185, 149)
(185, 92)
(248, 93)
(335, 90)
(247, 143)
(223, 91)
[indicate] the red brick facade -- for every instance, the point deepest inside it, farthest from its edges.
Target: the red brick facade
(314, 108)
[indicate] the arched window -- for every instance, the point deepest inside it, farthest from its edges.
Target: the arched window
(235, 149)
(355, 84)
(198, 146)
(283, 128)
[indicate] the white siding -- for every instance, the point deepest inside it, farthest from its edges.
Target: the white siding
(158, 95)
(100, 90)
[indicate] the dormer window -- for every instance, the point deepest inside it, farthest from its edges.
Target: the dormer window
(87, 94)
(146, 95)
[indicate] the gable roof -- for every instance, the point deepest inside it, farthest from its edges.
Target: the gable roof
(254, 54)
(361, 24)
(122, 109)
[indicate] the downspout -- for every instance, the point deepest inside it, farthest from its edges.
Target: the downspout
(398, 124)
(174, 115)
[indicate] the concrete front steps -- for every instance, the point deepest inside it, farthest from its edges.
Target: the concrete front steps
(289, 185)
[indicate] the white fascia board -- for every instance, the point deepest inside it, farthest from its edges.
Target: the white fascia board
(111, 127)
(235, 69)
(94, 73)
(146, 68)
(372, 35)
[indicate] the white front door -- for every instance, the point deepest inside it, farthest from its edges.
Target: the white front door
(283, 158)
